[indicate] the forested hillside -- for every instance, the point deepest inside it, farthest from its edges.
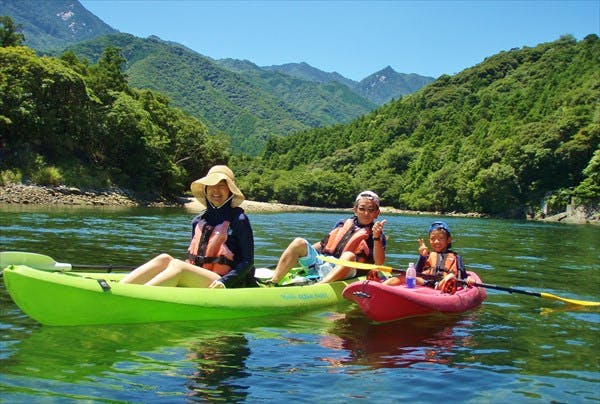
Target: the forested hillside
(330, 102)
(66, 122)
(53, 24)
(248, 109)
(497, 138)
(248, 104)
(379, 87)
(517, 130)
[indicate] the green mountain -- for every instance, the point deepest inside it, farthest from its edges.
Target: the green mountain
(387, 84)
(305, 71)
(236, 98)
(379, 88)
(330, 102)
(518, 130)
(53, 24)
(249, 107)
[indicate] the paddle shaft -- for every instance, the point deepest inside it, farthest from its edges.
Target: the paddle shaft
(507, 289)
(108, 267)
(538, 294)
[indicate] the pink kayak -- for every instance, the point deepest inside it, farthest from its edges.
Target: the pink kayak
(383, 303)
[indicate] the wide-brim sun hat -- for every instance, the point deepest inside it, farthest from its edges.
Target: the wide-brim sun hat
(215, 175)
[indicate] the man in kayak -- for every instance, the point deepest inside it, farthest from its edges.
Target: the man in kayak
(221, 252)
(358, 238)
(439, 268)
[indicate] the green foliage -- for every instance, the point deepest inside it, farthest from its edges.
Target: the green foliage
(106, 77)
(248, 105)
(10, 177)
(495, 138)
(9, 33)
(588, 191)
(66, 122)
(47, 176)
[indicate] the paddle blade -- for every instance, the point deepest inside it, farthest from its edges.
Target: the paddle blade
(354, 264)
(571, 301)
(33, 260)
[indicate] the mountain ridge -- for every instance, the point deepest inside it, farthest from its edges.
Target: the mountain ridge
(248, 107)
(54, 24)
(372, 87)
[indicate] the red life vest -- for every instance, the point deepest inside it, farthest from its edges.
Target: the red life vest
(348, 237)
(208, 249)
(432, 267)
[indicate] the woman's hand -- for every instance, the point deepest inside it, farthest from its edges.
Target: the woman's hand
(423, 250)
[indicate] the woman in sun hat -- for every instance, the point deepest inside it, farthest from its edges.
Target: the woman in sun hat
(359, 238)
(221, 251)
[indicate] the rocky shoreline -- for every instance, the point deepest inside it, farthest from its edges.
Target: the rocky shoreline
(115, 197)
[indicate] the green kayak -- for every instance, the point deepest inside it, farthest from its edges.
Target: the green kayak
(69, 298)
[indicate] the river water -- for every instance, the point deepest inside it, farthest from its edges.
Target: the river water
(514, 348)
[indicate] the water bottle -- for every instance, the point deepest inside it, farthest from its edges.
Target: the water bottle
(411, 276)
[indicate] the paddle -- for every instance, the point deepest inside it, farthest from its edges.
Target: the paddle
(537, 294)
(357, 265)
(361, 265)
(44, 262)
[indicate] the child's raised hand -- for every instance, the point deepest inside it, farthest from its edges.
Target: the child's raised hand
(423, 250)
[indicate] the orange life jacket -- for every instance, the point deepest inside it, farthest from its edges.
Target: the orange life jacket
(348, 237)
(208, 249)
(432, 267)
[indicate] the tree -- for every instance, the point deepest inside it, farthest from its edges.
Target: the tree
(107, 77)
(9, 33)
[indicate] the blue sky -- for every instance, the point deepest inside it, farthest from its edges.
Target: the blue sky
(353, 38)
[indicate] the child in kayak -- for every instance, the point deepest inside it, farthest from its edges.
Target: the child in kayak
(353, 239)
(439, 268)
(221, 252)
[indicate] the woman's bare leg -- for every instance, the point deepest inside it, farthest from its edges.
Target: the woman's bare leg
(180, 273)
(149, 270)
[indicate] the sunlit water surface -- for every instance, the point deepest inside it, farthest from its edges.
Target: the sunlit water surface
(514, 348)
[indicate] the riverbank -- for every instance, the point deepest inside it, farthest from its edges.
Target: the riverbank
(62, 195)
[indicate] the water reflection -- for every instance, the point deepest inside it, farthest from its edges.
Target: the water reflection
(220, 368)
(215, 351)
(399, 344)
